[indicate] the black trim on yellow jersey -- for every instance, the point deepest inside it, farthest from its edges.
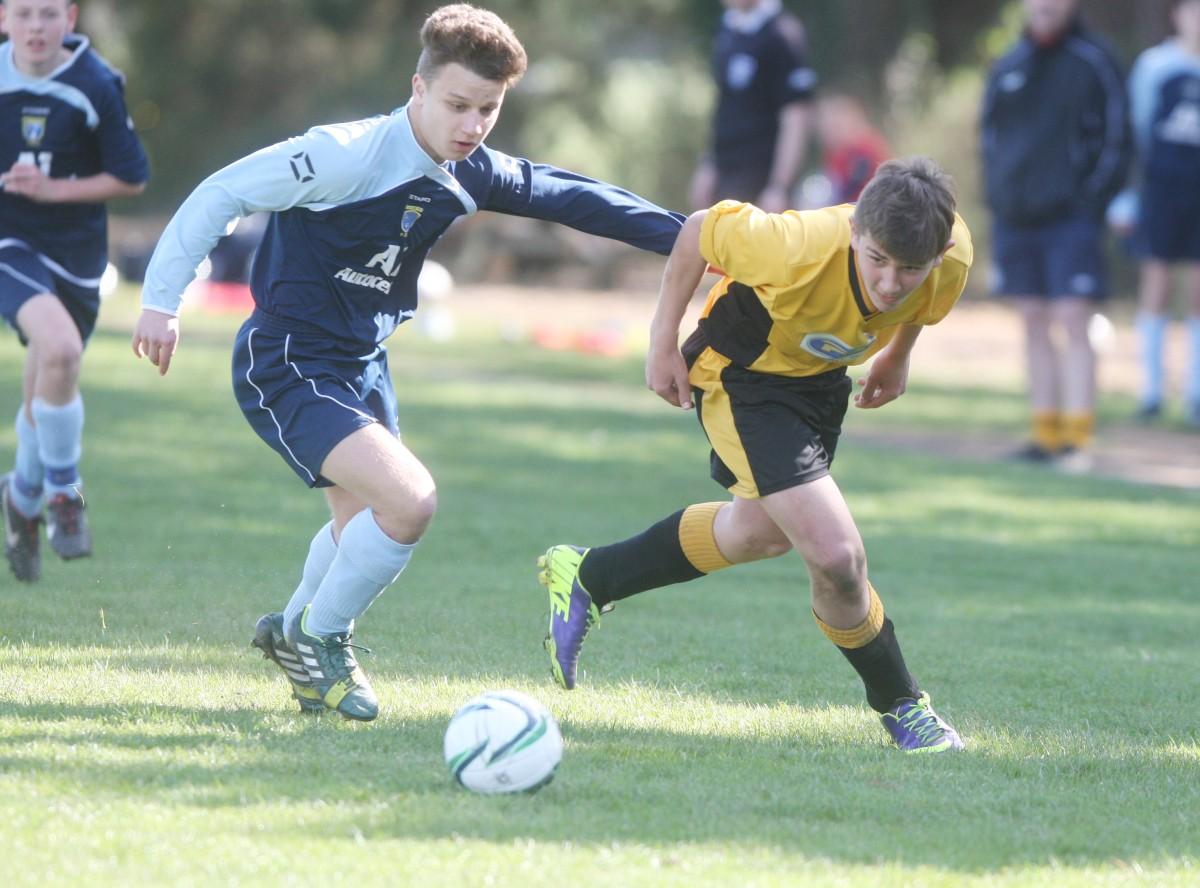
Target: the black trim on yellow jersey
(738, 324)
(865, 310)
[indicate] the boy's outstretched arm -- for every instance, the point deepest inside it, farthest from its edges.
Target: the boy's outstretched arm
(666, 371)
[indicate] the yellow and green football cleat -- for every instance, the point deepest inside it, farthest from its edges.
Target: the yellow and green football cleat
(268, 638)
(572, 612)
(335, 675)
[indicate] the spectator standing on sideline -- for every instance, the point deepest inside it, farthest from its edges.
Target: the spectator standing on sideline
(1056, 148)
(1164, 93)
(763, 116)
(67, 145)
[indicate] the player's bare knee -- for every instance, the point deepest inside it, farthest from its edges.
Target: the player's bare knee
(59, 360)
(840, 568)
(407, 518)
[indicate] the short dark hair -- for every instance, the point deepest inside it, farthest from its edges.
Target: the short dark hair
(908, 209)
(475, 38)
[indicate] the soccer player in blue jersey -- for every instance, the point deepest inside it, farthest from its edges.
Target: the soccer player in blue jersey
(1164, 95)
(66, 146)
(354, 210)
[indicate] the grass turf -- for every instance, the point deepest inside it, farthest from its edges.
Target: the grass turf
(717, 738)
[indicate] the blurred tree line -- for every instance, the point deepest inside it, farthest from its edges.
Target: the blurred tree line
(618, 90)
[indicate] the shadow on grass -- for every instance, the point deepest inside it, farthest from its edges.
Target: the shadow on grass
(812, 791)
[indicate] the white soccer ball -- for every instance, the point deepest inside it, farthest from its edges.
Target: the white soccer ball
(503, 741)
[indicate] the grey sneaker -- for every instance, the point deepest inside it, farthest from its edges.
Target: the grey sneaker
(268, 638)
(20, 538)
(67, 527)
(332, 669)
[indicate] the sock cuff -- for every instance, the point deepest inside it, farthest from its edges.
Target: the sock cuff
(697, 539)
(1047, 429)
(375, 554)
(1077, 429)
(862, 634)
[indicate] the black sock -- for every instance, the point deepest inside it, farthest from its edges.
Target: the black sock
(651, 559)
(881, 666)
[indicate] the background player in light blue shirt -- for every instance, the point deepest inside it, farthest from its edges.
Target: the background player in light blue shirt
(354, 208)
(1164, 94)
(66, 146)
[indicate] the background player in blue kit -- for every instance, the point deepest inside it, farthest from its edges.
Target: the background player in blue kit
(764, 108)
(1164, 95)
(354, 210)
(66, 146)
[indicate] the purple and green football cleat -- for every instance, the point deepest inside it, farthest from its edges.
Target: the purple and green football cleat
(572, 612)
(915, 727)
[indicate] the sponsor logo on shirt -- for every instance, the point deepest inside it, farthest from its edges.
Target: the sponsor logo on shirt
(828, 347)
(362, 279)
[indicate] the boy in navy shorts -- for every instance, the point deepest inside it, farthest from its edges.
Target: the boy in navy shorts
(66, 146)
(354, 210)
(1055, 137)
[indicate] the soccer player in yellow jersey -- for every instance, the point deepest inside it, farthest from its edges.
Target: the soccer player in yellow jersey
(804, 295)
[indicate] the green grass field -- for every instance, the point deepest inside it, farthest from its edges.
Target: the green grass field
(718, 739)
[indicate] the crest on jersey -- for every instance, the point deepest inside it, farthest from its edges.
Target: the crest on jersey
(33, 129)
(409, 219)
(828, 347)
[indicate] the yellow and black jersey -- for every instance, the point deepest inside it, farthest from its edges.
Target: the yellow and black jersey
(791, 302)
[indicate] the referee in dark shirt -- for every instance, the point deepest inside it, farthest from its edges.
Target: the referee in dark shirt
(764, 109)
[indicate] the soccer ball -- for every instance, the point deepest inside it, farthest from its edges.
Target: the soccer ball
(503, 741)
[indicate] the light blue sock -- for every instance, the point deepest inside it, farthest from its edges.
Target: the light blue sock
(28, 472)
(60, 436)
(367, 562)
(1152, 329)
(321, 552)
(1193, 379)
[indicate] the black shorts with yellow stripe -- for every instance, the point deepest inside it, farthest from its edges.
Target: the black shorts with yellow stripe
(768, 432)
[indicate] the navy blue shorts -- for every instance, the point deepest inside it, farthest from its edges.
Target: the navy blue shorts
(25, 273)
(1168, 225)
(1051, 260)
(302, 396)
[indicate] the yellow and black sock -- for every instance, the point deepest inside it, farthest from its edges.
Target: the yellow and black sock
(1077, 429)
(1048, 430)
(873, 651)
(679, 548)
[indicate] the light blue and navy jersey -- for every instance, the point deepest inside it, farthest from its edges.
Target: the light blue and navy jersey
(1164, 93)
(356, 207)
(72, 124)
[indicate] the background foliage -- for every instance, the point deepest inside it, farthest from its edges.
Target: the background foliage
(618, 89)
